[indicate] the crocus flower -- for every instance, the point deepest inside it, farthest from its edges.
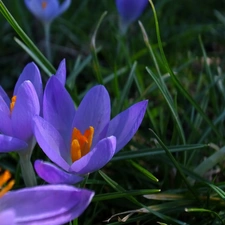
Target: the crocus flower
(16, 131)
(81, 141)
(43, 205)
(17, 114)
(129, 11)
(47, 10)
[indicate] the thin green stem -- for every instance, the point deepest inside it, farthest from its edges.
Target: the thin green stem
(47, 41)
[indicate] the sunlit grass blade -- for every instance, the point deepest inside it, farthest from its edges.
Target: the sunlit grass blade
(42, 60)
(202, 210)
(115, 195)
(144, 171)
(210, 162)
(156, 151)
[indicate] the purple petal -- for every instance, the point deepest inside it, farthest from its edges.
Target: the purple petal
(94, 110)
(63, 7)
(4, 95)
(54, 175)
(8, 217)
(49, 11)
(5, 124)
(9, 144)
(48, 204)
(125, 124)
(130, 10)
(96, 158)
(51, 142)
(26, 107)
(61, 72)
(58, 108)
(31, 73)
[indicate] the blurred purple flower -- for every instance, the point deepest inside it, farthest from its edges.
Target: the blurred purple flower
(81, 141)
(47, 10)
(43, 205)
(129, 11)
(16, 129)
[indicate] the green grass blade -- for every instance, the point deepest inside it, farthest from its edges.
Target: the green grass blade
(27, 41)
(175, 79)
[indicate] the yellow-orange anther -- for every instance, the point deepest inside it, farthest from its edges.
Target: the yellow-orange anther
(12, 104)
(81, 143)
(5, 183)
(43, 4)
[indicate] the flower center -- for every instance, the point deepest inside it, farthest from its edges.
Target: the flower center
(81, 143)
(5, 183)
(43, 4)
(12, 104)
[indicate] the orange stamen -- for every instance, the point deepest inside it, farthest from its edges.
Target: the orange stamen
(43, 4)
(12, 104)
(81, 144)
(5, 183)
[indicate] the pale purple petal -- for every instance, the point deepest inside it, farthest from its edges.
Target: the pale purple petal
(5, 119)
(8, 217)
(63, 7)
(51, 142)
(54, 175)
(9, 144)
(58, 108)
(26, 107)
(61, 72)
(31, 73)
(4, 95)
(46, 205)
(125, 124)
(130, 10)
(94, 110)
(96, 158)
(49, 10)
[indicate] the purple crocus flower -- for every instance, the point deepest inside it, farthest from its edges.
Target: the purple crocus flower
(43, 205)
(16, 131)
(81, 141)
(17, 114)
(129, 11)
(47, 10)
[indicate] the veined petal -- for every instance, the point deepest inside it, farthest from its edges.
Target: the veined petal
(94, 110)
(96, 158)
(4, 95)
(9, 144)
(61, 72)
(125, 124)
(54, 175)
(26, 107)
(8, 217)
(31, 73)
(48, 204)
(58, 108)
(5, 121)
(51, 143)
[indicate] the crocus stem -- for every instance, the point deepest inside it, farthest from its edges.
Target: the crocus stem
(47, 40)
(27, 169)
(27, 172)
